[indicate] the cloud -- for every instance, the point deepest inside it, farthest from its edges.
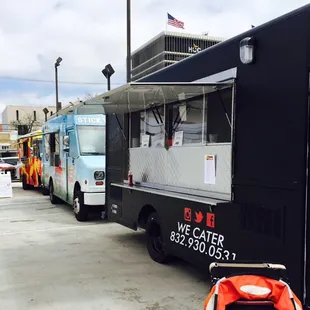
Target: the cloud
(90, 34)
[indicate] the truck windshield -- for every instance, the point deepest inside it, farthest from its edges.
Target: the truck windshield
(91, 140)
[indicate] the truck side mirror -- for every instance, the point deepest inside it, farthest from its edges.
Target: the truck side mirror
(66, 141)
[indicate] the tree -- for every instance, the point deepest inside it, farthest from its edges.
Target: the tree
(25, 125)
(89, 96)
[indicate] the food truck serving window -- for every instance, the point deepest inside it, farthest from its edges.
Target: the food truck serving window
(189, 118)
(25, 148)
(199, 120)
(37, 145)
(54, 149)
(152, 124)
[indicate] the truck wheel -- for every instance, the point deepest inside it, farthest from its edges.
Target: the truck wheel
(44, 191)
(79, 208)
(54, 200)
(24, 183)
(155, 244)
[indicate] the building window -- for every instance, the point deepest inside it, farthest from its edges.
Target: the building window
(17, 115)
(34, 115)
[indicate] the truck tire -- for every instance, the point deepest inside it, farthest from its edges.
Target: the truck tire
(24, 183)
(155, 245)
(45, 191)
(54, 200)
(79, 208)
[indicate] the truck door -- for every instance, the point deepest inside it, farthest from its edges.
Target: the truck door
(72, 155)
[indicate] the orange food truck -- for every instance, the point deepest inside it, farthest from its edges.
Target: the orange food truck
(29, 153)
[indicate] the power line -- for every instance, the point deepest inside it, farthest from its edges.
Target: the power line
(51, 81)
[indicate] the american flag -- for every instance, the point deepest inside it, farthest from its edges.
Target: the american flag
(174, 22)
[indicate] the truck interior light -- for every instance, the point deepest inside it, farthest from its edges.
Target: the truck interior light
(181, 96)
(247, 48)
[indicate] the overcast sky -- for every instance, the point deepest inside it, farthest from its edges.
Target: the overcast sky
(90, 34)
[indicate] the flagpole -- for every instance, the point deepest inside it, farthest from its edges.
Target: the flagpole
(166, 22)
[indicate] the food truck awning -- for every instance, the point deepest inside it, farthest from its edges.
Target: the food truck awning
(139, 96)
(82, 108)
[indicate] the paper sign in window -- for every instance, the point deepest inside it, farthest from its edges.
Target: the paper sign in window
(178, 138)
(145, 140)
(209, 173)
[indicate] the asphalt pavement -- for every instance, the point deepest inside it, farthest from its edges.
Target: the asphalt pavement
(50, 261)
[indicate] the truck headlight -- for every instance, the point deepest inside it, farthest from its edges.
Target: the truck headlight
(99, 175)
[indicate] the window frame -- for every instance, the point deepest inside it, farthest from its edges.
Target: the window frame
(145, 123)
(204, 111)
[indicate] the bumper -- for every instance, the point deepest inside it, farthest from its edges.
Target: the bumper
(94, 199)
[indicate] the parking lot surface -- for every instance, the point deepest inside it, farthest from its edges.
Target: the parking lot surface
(48, 261)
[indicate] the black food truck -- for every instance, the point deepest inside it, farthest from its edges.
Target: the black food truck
(211, 155)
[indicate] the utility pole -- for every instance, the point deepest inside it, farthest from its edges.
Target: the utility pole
(128, 41)
(56, 85)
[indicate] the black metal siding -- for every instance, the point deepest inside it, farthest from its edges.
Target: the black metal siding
(271, 100)
(271, 125)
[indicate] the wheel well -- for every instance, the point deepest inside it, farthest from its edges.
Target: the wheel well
(145, 212)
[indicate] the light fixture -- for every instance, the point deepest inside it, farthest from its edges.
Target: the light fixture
(247, 49)
(108, 71)
(58, 61)
(45, 110)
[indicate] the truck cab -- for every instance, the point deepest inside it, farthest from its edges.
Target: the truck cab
(74, 162)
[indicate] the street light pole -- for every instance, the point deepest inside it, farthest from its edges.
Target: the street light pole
(128, 41)
(109, 82)
(57, 63)
(56, 85)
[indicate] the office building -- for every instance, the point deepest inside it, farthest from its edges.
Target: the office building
(166, 49)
